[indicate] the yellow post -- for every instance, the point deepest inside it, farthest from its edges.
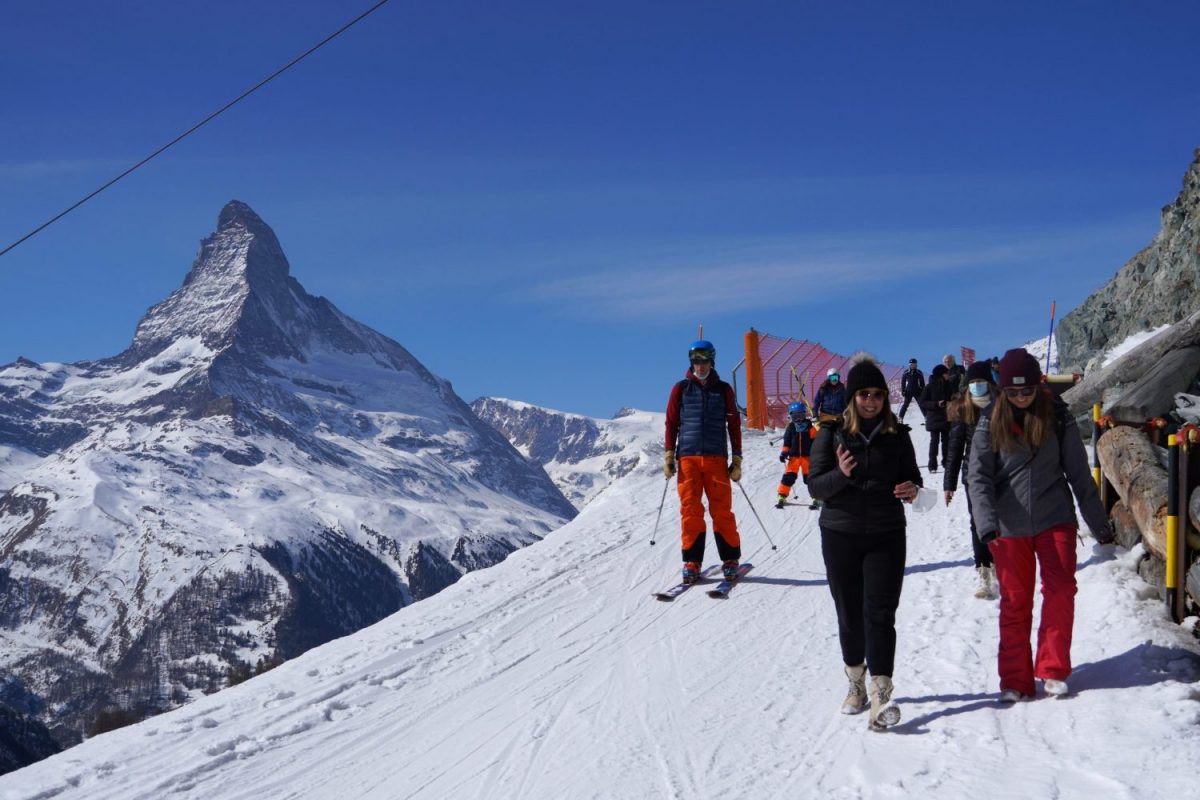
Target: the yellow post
(1173, 559)
(1096, 445)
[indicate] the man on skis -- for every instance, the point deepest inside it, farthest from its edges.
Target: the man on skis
(797, 443)
(703, 426)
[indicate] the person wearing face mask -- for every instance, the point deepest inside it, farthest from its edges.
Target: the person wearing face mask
(703, 426)
(830, 401)
(964, 416)
(1027, 459)
(864, 469)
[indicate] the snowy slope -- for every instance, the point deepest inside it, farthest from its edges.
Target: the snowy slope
(555, 675)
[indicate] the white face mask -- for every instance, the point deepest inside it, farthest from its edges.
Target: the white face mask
(981, 402)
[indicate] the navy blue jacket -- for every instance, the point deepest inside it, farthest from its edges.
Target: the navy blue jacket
(703, 418)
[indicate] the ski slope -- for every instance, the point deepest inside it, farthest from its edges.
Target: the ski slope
(555, 675)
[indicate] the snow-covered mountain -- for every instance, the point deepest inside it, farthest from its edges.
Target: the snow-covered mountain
(555, 675)
(255, 475)
(582, 455)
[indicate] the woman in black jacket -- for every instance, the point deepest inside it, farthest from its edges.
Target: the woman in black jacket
(864, 469)
(964, 416)
(934, 400)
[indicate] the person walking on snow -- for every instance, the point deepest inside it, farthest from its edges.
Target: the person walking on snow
(1026, 460)
(797, 444)
(703, 426)
(912, 384)
(963, 417)
(865, 469)
(956, 374)
(830, 401)
(934, 400)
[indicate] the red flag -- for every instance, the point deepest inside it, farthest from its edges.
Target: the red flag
(968, 356)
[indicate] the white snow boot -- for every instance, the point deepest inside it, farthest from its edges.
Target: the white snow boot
(856, 697)
(884, 713)
(984, 582)
(1055, 688)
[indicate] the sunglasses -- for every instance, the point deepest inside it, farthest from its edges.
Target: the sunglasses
(1023, 391)
(870, 394)
(701, 360)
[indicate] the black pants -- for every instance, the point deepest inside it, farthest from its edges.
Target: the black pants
(908, 398)
(866, 573)
(983, 556)
(936, 436)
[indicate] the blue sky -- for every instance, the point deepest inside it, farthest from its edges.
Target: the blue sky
(544, 200)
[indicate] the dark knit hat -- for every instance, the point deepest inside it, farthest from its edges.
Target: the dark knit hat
(1018, 368)
(940, 369)
(980, 371)
(865, 375)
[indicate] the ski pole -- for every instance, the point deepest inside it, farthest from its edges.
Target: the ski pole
(661, 503)
(756, 516)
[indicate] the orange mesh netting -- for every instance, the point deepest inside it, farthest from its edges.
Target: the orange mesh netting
(780, 371)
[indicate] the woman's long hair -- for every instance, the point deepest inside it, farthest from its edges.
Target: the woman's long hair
(1039, 421)
(852, 422)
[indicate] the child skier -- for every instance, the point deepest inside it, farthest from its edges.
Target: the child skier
(797, 442)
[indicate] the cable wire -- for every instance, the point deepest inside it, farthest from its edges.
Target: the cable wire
(201, 123)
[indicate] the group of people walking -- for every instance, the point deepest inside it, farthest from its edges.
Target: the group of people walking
(1010, 440)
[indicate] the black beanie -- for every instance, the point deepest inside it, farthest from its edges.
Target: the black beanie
(980, 371)
(865, 375)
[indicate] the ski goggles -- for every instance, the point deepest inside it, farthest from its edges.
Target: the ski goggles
(700, 358)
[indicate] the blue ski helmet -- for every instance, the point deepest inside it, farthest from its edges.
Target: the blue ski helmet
(703, 349)
(798, 408)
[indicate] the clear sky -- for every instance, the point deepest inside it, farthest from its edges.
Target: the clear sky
(544, 200)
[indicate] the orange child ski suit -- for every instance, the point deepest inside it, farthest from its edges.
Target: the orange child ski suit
(797, 444)
(703, 425)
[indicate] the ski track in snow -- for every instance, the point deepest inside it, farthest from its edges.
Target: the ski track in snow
(556, 675)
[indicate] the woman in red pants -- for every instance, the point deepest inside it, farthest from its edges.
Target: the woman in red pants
(1027, 459)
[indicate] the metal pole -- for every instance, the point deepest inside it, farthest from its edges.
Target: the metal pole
(661, 503)
(756, 516)
(1096, 445)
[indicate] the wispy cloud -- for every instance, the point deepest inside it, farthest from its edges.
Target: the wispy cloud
(753, 275)
(16, 170)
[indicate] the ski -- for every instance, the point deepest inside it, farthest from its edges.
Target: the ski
(680, 588)
(722, 590)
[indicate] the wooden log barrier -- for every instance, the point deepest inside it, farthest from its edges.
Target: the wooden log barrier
(1131, 463)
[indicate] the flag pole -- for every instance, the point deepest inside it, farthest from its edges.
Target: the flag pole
(1050, 338)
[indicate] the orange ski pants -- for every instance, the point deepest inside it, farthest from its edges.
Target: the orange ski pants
(796, 465)
(707, 476)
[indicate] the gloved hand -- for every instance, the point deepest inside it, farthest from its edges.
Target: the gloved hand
(783, 457)
(735, 469)
(1105, 536)
(989, 537)
(669, 463)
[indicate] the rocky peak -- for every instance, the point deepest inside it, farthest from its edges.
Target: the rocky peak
(238, 284)
(1159, 285)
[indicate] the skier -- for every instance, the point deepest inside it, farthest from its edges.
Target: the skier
(703, 425)
(964, 416)
(831, 398)
(797, 443)
(1026, 461)
(934, 400)
(912, 384)
(864, 470)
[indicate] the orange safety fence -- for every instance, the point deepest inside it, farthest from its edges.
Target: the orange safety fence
(781, 371)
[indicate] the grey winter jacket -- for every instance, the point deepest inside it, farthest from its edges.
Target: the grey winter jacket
(1023, 492)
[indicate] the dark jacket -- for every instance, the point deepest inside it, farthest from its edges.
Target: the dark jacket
(956, 377)
(1023, 492)
(864, 502)
(912, 383)
(701, 415)
(797, 439)
(830, 399)
(958, 452)
(934, 400)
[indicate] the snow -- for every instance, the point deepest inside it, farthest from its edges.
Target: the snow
(555, 675)
(1131, 342)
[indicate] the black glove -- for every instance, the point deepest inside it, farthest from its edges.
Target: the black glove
(1105, 536)
(783, 457)
(988, 537)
